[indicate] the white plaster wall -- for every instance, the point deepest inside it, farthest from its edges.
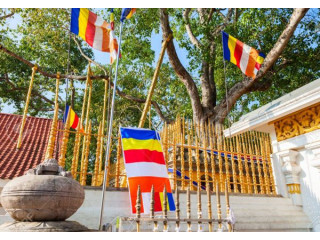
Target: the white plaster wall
(310, 188)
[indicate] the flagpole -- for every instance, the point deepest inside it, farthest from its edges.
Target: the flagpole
(109, 132)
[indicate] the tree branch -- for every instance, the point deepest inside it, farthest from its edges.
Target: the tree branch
(46, 74)
(181, 72)
(243, 87)
(192, 38)
(7, 16)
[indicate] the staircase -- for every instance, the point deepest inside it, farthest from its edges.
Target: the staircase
(253, 214)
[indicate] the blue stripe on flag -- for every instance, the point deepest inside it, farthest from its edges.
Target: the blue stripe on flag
(172, 207)
(125, 13)
(74, 26)
(66, 114)
(262, 54)
(226, 50)
(139, 133)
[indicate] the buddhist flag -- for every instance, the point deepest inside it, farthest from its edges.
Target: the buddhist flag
(145, 166)
(248, 59)
(127, 13)
(113, 40)
(74, 119)
(91, 28)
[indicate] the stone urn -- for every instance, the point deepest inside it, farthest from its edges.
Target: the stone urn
(45, 193)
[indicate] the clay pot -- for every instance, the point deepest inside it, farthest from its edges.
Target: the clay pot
(42, 197)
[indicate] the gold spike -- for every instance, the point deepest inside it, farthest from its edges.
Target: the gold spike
(197, 139)
(155, 223)
(264, 166)
(65, 139)
(209, 208)
(177, 210)
(188, 210)
(165, 210)
(242, 184)
(138, 208)
(24, 118)
(228, 208)
(174, 150)
(219, 144)
(243, 143)
(199, 208)
(226, 162)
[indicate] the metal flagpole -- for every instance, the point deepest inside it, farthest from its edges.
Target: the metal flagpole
(110, 132)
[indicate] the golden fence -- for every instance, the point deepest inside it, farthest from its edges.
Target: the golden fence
(200, 154)
(195, 154)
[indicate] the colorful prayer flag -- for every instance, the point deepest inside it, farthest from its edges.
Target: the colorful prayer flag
(113, 40)
(145, 166)
(74, 119)
(127, 13)
(248, 59)
(91, 28)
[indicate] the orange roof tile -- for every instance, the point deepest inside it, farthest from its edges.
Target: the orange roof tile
(15, 162)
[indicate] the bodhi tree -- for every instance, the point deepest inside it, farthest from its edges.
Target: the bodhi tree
(204, 31)
(192, 80)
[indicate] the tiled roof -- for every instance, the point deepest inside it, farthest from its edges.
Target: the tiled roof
(15, 162)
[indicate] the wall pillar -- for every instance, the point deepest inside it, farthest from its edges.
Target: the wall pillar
(315, 148)
(291, 171)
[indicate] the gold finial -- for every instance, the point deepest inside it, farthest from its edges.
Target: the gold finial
(138, 208)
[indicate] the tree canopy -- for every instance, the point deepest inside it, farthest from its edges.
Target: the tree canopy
(42, 37)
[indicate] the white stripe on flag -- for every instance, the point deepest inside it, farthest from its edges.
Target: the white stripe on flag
(98, 37)
(146, 169)
(245, 58)
(146, 198)
(99, 22)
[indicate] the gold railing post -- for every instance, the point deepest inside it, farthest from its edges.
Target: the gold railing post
(76, 148)
(183, 184)
(165, 210)
(190, 170)
(138, 208)
(97, 161)
(268, 150)
(24, 118)
(258, 153)
(86, 157)
(199, 208)
(174, 151)
(213, 163)
(228, 209)
(226, 161)
(65, 139)
(234, 174)
(219, 147)
(264, 166)
(155, 223)
(188, 210)
(244, 150)
(242, 184)
(219, 205)
(54, 125)
(119, 152)
(197, 139)
(253, 170)
(177, 210)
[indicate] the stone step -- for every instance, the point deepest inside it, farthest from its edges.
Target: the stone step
(252, 226)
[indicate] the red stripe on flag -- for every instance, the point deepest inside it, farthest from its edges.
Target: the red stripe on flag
(146, 184)
(75, 122)
(143, 155)
(257, 66)
(157, 202)
(106, 40)
(238, 52)
(91, 28)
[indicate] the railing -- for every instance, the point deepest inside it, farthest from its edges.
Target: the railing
(217, 223)
(200, 154)
(195, 154)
